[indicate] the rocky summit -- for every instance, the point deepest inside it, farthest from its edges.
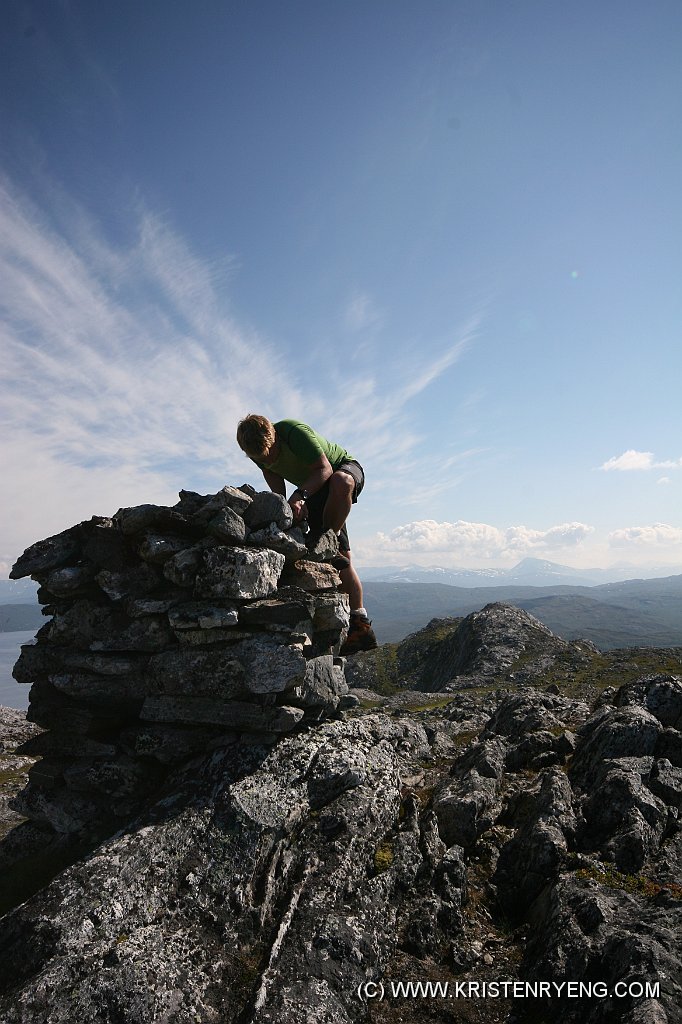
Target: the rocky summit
(224, 823)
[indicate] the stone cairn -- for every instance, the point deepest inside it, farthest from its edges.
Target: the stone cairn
(174, 631)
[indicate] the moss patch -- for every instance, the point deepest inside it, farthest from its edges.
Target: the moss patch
(383, 856)
(638, 885)
(386, 668)
(432, 705)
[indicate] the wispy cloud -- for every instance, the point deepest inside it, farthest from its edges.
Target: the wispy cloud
(362, 313)
(121, 377)
(370, 410)
(123, 373)
(465, 540)
(633, 460)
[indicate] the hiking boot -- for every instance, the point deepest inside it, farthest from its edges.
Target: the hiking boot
(360, 636)
(340, 561)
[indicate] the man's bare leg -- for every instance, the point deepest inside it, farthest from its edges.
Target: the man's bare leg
(339, 502)
(351, 585)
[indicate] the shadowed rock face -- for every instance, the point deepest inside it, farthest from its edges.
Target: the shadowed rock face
(250, 887)
(171, 631)
(522, 823)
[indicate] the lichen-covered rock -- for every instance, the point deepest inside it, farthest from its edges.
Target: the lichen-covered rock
(322, 686)
(288, 608)
(249, 890)
(231, 714)
(324, 548)
(332, 611)
(660, 695)
(227, 527)
(584, 929)
(158, 548)
(133, 582)
(143, 517)
(532, 859)
(290, 542)
(613, 733)
(202, 508)
(202, 615)
(267, 508)
(69, 580)
(239, 573)
(99, 627)
(466, 808)
(310, 576)
(261, 865)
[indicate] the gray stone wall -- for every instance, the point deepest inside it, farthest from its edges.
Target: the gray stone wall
(173, 631)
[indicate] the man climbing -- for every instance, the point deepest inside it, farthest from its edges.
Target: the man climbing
(327, 483)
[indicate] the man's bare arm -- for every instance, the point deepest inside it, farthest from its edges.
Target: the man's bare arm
(320, 472)
(275, 482)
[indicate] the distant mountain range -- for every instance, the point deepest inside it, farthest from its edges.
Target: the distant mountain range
(18, 592)
(529, 572)
(14, 617)
(634, 613)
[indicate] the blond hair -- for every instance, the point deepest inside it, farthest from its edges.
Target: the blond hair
(255, 434)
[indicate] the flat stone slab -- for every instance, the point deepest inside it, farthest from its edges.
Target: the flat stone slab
(202, 615)
(133, 582)
(141, 517)
(332, 611)
(217, 673)
(157, 548)
(290, 543)
(234, 714)
(98, 690)
(311, 576)
(46, 555)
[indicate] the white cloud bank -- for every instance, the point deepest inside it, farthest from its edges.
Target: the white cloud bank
(660, 535)
(633, 460)
(466, 540)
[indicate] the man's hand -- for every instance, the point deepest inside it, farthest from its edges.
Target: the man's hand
(298, 507)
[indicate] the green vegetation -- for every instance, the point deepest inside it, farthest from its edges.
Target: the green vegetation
(383, 856)
(580, 676)
(638, 885)
(12, 775)
(386, 668)
(441, 702)
(462, 739)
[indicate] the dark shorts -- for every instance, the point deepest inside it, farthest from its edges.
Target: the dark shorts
(317, 501)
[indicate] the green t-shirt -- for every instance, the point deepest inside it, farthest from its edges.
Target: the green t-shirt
(300, 446)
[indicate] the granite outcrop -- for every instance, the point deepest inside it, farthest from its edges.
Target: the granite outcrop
(518, 824)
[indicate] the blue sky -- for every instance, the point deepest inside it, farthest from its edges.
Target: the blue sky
(446, 234)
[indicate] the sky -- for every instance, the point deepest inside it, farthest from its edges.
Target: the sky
(444, 233)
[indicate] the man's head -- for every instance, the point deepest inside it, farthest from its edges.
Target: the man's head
(256, 436)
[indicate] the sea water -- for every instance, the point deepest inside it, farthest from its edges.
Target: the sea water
(13, 694)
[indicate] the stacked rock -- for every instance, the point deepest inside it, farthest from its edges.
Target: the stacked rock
(173, 630)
